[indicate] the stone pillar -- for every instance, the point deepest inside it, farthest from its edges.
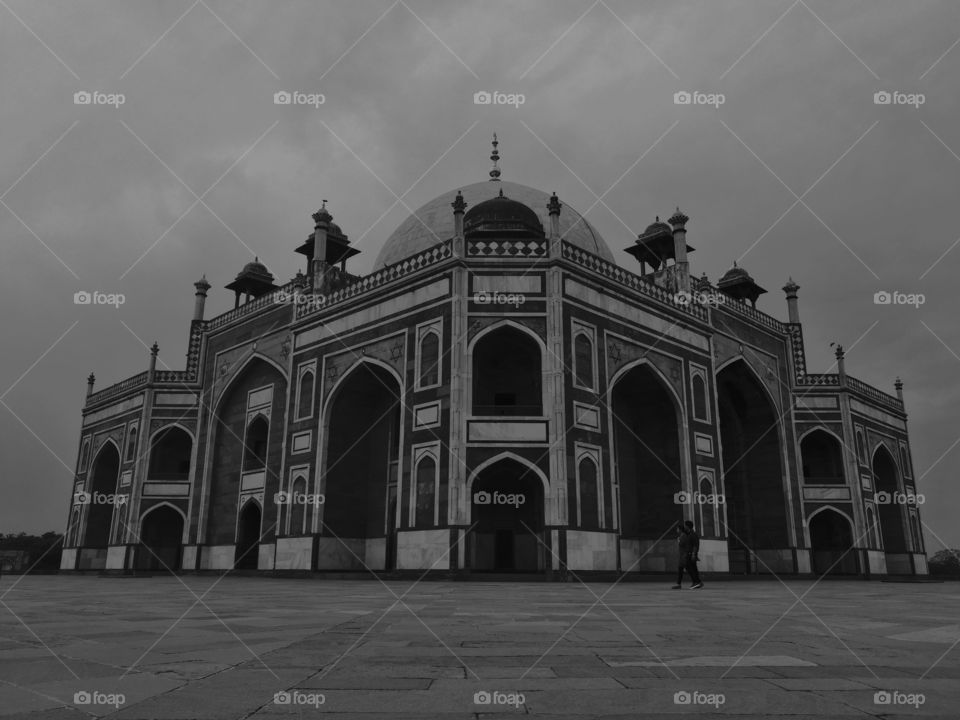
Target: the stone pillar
(458, 205)
(553, 207)
(91, 379)
(200, 297)
(793, 310)
(898, 386)
(679, 223)
(319, 267)
(841, 368)
(154, 350)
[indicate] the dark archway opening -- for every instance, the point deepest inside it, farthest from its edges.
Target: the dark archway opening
(170, 455)
(248, 537)
(831, 544)
(363, 449)
(890, 512)
(756, 505)
(507, 509)
(106, 469)
(822, 458)
(647, 449)
(507, 374)
(161, 533)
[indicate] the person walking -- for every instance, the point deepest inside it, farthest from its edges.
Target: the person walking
(688, 546)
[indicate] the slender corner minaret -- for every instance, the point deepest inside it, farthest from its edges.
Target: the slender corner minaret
(321, 223)
(154, 351)
(898, 386)
(679, 223)
(553, 208)
(458, 205)
(495, 157)
(841, 366)
(91, 379)
(200, 298)
(793, 309)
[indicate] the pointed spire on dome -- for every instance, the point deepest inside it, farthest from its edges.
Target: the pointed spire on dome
(495, 157)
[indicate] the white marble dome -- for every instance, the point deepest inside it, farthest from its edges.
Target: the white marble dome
(433, 222)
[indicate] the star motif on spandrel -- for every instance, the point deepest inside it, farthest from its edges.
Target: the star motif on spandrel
(332, 372)
(396, 352)
(224, 368)
(285, 348)
(615, 353)
(675, 373)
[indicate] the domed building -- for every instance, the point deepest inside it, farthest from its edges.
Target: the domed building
(498, 395)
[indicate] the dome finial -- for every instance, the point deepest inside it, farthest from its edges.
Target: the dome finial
(495, 157)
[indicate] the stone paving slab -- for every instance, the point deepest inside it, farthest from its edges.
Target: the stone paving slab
(335, 649)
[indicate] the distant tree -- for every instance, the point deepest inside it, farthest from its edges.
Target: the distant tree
(945, 562)
(43, 551)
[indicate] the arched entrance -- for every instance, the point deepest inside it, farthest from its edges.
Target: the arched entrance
(507, 513)
(161, 532)
(822, 459)
(647, 453)
(170, 455)
(507, 375)
(831, 544)
(362, 461)
(104, 475)
(756, 506)
(890, 512)
(248, 536)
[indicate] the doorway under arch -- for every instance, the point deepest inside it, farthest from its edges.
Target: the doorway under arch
(248, 536)
(104, 476)
(161, 535)
(755, 500)
(890, 512)
(831, 544)
(507, 511)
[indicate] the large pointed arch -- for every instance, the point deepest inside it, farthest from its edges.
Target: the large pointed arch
(831, 533)
(509, 382)
(757, 503)
(239, 371)
(888, 489)
(508, 455)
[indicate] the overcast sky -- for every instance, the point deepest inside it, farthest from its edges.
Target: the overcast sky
(799, 172)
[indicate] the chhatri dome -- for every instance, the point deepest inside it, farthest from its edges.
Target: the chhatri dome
(432, 222)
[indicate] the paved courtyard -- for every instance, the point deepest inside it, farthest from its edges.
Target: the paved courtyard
(240, 647)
